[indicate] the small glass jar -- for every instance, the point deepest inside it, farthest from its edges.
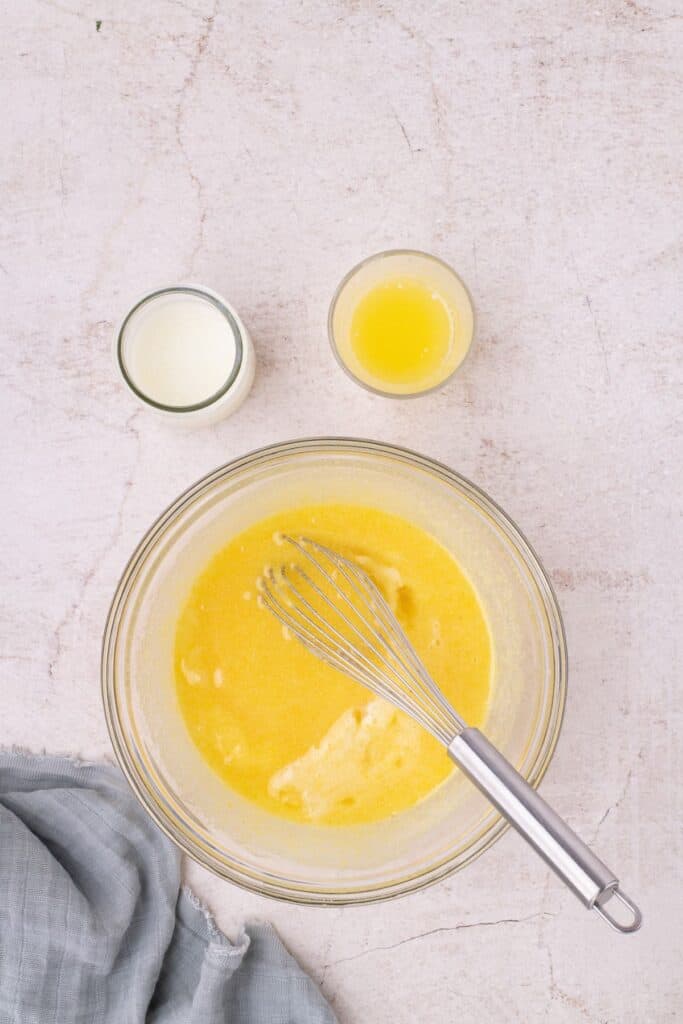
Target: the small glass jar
(433, 282)
(185, 353)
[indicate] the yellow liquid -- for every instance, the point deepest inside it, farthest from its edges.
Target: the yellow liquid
(402, 332)
(287, 731)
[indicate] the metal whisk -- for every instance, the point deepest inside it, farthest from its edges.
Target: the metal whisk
(332, 606)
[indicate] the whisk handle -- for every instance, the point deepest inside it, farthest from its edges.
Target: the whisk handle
(551, 837)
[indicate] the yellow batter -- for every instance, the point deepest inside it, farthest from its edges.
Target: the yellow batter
(289, 732)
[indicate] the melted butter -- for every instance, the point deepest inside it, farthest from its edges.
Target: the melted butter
(401, 333)
(289, 732)
(363, 752)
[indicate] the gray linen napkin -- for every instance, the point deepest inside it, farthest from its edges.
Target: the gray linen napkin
(95, 928)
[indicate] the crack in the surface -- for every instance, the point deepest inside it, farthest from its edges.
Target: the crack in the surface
(188, 83)
(423, 39)
(557, 994)
(328, 946)
(439, 108)
(600, 339)
(596, 326)
(405, 135)
(435, 931)
(622, 794)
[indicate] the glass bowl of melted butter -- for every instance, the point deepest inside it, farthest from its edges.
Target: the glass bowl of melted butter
(401, 323)
(274, 770)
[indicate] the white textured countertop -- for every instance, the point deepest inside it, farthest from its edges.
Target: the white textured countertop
(262, 149)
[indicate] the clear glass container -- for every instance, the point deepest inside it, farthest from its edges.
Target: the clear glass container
(220, 397)
(220, 829)
(377, 270)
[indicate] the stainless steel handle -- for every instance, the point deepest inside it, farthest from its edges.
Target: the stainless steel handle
(551, 837)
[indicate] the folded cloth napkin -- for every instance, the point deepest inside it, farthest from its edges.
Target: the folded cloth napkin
(95, 928)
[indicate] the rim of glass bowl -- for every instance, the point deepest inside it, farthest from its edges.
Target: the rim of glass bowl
(333, 305)
(263, 882)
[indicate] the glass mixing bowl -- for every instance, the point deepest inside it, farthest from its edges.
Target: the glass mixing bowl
(219, 828)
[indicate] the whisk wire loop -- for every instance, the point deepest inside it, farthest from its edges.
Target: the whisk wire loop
(389, 653)
(354, 629)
